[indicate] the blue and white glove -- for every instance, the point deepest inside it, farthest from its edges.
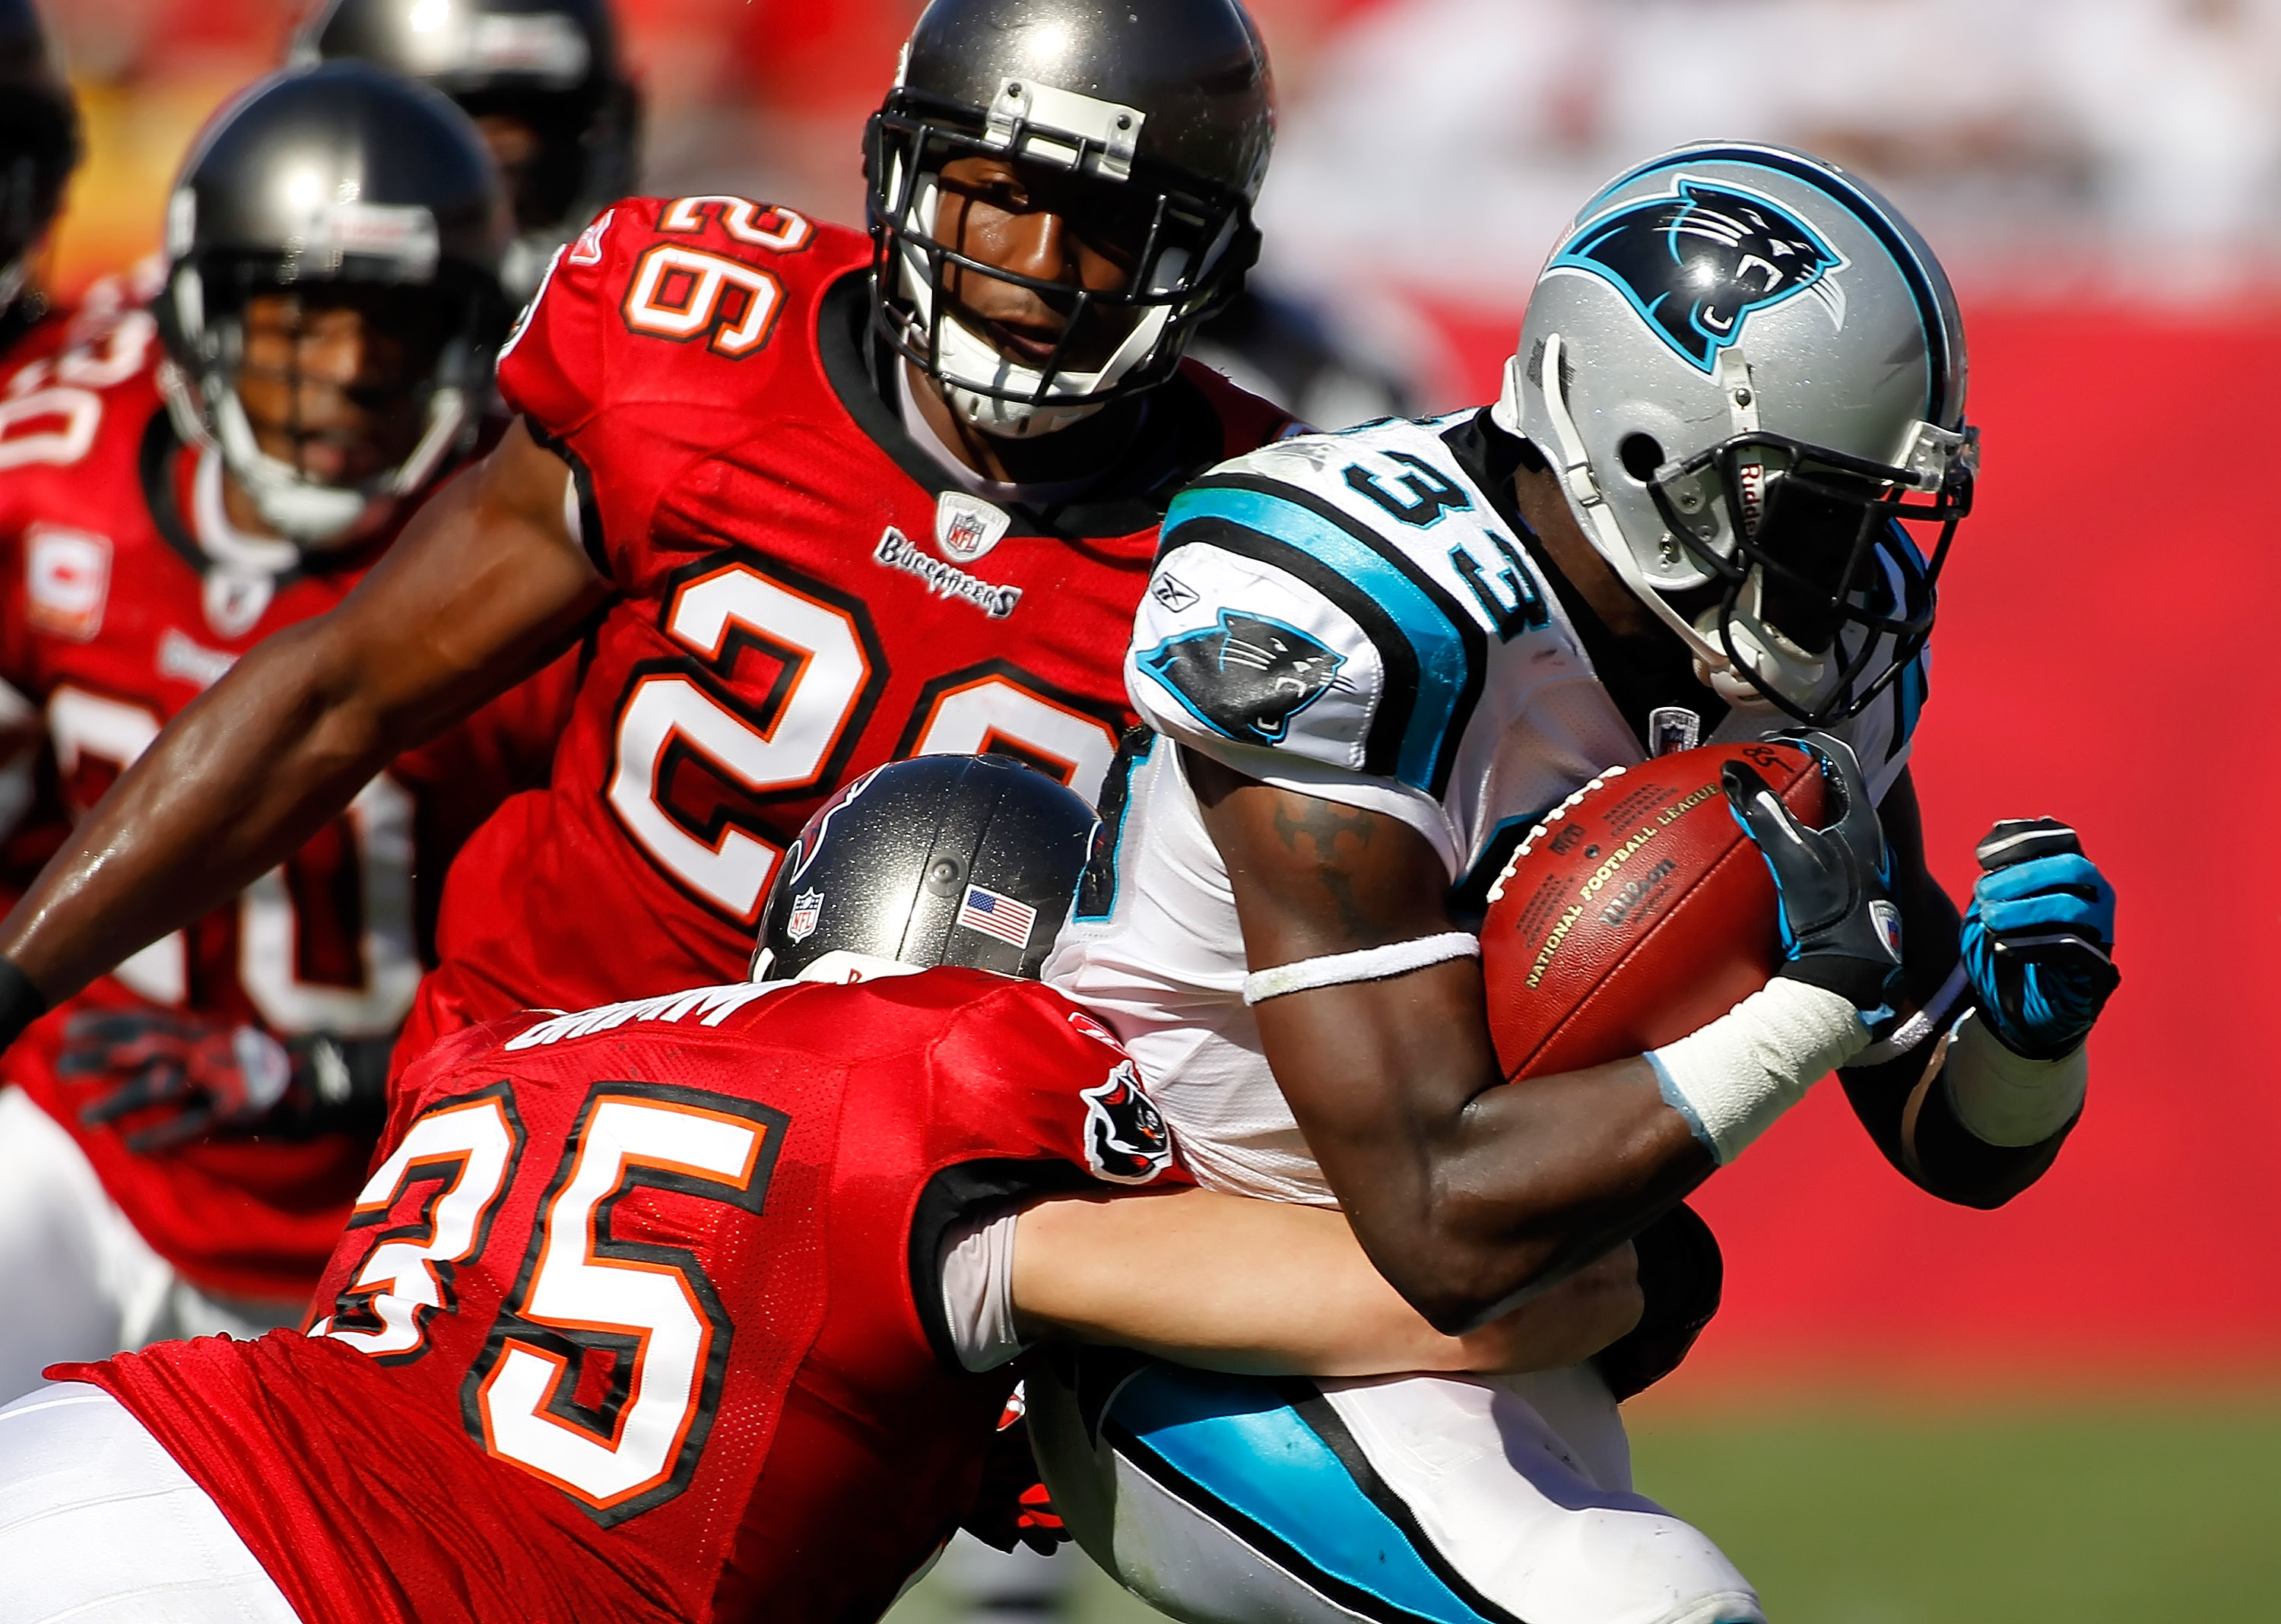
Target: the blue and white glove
(2039, 938)
(1840, 928)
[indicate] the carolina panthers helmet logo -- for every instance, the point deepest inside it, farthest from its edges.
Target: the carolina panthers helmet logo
(1246, 677)
(1695, 264)
(1125, 1139)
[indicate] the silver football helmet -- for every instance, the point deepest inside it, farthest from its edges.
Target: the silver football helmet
(1159, 109)
(1748, 372)
(348, 179)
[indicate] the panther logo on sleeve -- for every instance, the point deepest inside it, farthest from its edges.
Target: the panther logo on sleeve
(1697, 263)
(1125, 1139)
(1246, 677)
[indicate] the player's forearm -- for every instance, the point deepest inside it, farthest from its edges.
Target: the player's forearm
(1270, 1288)
(234, 786)
(1469, 1193)
(1909, 1106)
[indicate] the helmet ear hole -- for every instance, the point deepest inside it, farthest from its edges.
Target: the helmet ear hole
(1640, 454)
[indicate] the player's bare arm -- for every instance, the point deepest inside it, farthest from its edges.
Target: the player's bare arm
(1275, 1289)
(1465, 1190)
(485, 586)
(1900, 1101)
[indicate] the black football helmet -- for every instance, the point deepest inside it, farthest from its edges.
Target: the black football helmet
(552, 66)
(1159, 111)
(342, 176)
(39, 143)
(964, 860)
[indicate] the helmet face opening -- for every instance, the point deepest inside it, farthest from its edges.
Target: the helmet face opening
(337, 379)
(1181, 244)
(1810, 548)
(332, 305)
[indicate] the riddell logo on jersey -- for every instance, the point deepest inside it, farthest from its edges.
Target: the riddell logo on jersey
(897, 551)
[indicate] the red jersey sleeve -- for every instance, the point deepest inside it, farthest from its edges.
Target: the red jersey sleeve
(1027, 1056)
(693, 304)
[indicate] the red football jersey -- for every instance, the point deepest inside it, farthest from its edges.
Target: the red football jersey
(641, 1316)
(805, 594)
(115, 614)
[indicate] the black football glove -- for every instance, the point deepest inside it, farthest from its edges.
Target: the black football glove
(1839, 926)
(1012, 1506)
(1680, 1275)
(2039, 938)
(190, 1077)
(21, 1002)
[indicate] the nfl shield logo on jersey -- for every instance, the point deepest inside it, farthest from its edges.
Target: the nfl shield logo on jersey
(806, 908)
(1125, 1139)
(966, 527)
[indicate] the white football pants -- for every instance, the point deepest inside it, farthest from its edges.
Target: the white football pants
(79, 1281)
(98, 1525)
(1455, 1500)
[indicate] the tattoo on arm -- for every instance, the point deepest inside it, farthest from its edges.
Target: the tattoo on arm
(1325, 824)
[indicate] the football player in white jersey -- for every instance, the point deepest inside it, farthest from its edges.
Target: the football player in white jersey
(1372, 662)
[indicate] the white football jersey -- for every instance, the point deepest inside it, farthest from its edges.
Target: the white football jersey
(1349, 616)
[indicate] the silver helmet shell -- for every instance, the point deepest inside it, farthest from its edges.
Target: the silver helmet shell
(939, 860)
(1749, 372)
(1168, 101)
(340, 173)
(553, 64)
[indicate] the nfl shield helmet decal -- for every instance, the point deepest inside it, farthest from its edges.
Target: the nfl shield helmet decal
(966, 527)
(1125, 1139)
(1698, 261)
(806, 908)
(1888, 921)
(1247, 675)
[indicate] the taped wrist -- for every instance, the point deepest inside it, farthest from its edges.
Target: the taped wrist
(21, 1002)
(1369, 964)
(1731, 1080)
(2005, 1099)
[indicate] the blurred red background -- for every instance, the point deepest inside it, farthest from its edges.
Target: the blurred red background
(2098, 648)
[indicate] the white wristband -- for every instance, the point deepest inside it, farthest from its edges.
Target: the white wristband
(2005, 1099)
(1731, 1079)
(1369, 965)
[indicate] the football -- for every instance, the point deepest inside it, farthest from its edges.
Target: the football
(1635, 912)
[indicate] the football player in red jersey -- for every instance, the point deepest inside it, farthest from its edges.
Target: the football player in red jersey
(576, 1356)
(543, 82)
(39, 147)
(837, 502)
(322, 359)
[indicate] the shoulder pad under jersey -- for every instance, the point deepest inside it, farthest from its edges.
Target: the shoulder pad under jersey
(680, 299)
(1336, 596)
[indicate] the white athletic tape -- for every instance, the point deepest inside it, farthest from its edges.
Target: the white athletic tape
(1733, 1078)
(1369, 964)
(2004, 1099)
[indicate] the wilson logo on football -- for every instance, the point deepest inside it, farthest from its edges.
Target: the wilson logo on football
(1125, 1139)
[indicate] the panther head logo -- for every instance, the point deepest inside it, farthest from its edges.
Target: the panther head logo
(1695, 264)
(1125, 1139)
(1246, 677)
